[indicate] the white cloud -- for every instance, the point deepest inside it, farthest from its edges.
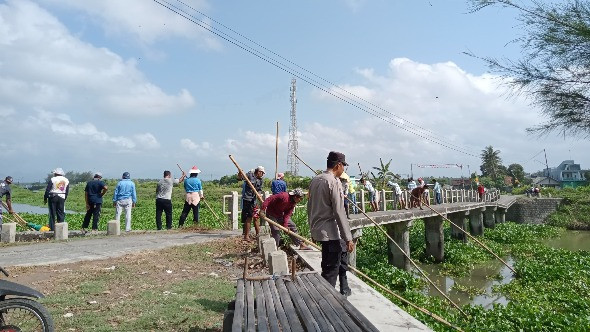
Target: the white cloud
(43, 65)
(202, 149)
(146, 21)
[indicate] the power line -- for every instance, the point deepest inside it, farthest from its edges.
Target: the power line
(389, 119)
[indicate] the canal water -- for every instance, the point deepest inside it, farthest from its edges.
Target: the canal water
(484, 277)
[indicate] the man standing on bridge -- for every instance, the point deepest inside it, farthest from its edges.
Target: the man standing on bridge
(328, 223)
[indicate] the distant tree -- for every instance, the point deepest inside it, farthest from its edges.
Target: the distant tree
(555, 68)
(516, 171)
(74, 177)
(228, 180)
(491, 163)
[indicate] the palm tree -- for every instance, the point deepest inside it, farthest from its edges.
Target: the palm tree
(491, 162)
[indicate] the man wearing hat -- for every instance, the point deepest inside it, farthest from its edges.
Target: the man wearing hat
(57, 193)
(5, 190)
(279, 209)
(194, 195)
(124, 199)
(328, 223)
(249, 200)
(278, 185)
(93, 193)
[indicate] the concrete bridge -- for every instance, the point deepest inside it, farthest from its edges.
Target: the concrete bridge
(462, 207)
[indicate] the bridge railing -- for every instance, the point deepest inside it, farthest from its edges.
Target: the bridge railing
(387, 200)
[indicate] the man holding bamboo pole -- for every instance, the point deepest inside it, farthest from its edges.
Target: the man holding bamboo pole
(249, 201)
(328, 223)
(6, 190)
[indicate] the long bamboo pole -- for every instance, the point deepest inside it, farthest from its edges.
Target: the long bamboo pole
(312, 244)
(400, 249)
(277, 152)
(19, 220)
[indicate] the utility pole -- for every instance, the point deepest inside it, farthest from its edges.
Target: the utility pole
(546, 163)
(292, 161)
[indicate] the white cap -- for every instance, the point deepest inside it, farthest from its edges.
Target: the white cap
(59, 171)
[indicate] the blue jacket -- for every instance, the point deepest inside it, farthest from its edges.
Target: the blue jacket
(278, 186)
(125, 189)
(192, 185)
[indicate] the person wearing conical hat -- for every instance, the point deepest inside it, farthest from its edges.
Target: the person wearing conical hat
(194, 195)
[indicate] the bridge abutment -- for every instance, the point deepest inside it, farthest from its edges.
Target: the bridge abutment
(400, 233)
(476, 221)
(434, 238)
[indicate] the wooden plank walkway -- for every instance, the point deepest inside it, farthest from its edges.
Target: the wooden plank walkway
(308, 303)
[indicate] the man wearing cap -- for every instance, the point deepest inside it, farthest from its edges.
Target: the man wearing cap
(194, 195)
(164, 199)
(328, 223)
(278, 185)
(249, 200)
(124, 199)
(57, 193)
(93, 193)
(5, 190)
(279, 208)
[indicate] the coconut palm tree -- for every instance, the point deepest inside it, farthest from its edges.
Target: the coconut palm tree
(491, 162)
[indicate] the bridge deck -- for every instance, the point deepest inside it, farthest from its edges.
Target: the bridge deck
(393, 216)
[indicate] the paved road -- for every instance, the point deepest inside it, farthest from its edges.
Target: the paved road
(93, 248)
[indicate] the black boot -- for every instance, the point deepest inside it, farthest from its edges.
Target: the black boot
(344, 289)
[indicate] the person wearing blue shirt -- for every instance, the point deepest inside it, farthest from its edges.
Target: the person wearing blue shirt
(279, 185)
(194, 195)
(124, 199)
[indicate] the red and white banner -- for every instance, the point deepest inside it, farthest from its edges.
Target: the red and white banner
(441, 166)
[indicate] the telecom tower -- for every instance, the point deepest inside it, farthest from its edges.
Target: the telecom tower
(292, 161)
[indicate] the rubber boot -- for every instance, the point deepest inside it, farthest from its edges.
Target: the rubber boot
(344, 289)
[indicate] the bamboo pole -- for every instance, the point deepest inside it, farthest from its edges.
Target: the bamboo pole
(312, 244)
(17, 218)
(402, 251)
(277, 152)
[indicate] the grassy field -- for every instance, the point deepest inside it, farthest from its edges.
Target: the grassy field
(143, 215)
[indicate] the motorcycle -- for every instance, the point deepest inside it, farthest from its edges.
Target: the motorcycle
(19, 312)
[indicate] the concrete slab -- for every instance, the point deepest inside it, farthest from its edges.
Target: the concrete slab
(385, 315)
(47, 253)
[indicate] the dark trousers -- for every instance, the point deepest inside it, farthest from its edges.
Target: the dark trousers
(334, 260)
(187, 207)
(57, 211)
(93, 212)
(164, 205)
(276, 232)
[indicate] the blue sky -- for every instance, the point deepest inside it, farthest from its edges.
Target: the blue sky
(118, 86)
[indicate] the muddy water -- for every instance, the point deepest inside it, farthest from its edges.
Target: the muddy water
(488, 275)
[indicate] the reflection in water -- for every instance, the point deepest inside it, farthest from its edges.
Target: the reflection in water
(572, 240)
(482, 278)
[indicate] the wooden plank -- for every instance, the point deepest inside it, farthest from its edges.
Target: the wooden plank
(273, 322)
(350, 324)
(239, 308)
(331, 316)
(250, 317)
(356, 315)
(308, 320)
(261, 316)
(294, 322)
(313, 305)
(282, 317)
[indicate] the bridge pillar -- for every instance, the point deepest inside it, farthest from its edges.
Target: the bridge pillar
(500, 216)
(383, 201)
(400, 233)
(489, 220)
(356, 234)
(459, 220)
(476, 221)
(434, 238)
(363, 201)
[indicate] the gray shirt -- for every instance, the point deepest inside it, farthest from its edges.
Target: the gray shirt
(325, 209)
(164, 188)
